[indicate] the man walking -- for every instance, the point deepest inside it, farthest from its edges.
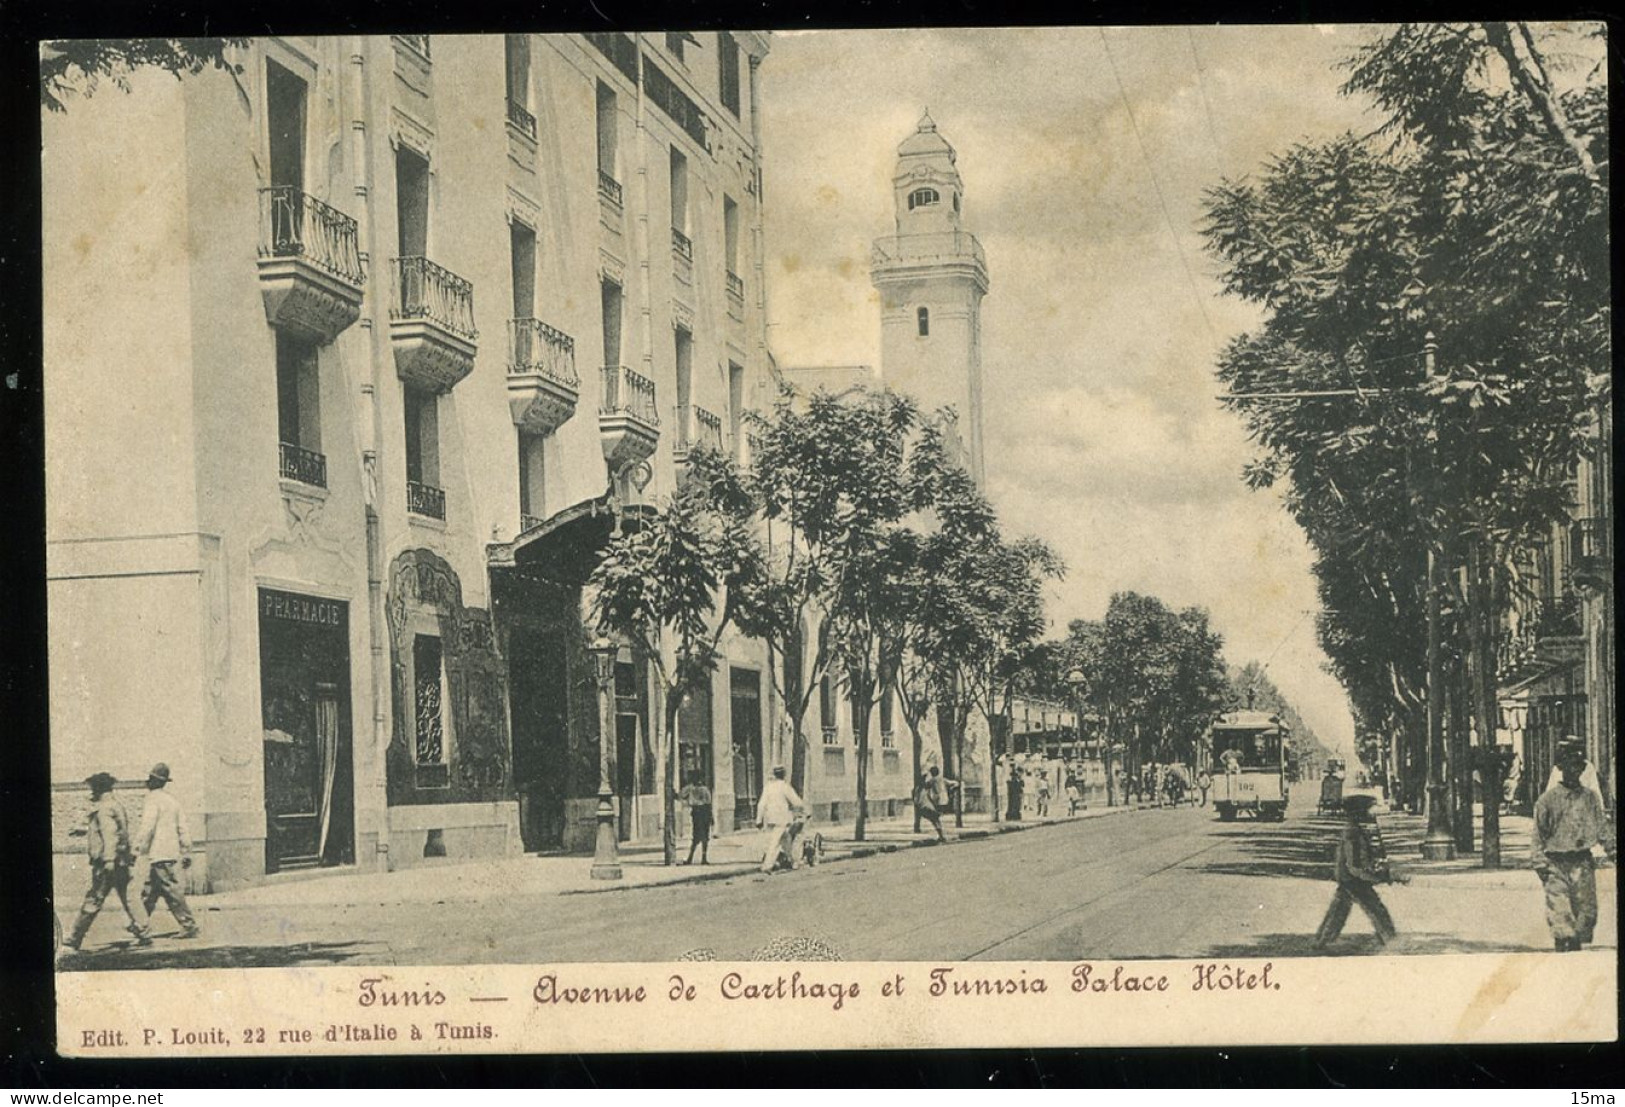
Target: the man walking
(776, 811)
(932, 796)
(698, 798)
(1203, 783)
(107, 844)
(163, 842)
(1569, 822)
(1360, 867)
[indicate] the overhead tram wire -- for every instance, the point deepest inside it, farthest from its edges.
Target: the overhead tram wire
(1207, 104)
(1156, 184)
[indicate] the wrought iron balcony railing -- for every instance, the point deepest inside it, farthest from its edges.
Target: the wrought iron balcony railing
(682, 245)
(302, 465)
(736, 286)
(753, 446)
(1592, 540)
(296, 225)
(697, 427)
(1558, 617)
(522, 119)
(609, 188)
(535, 347)
(529, 522)
(424, 290)
(629, 393)
(419, 43)
(425, 499)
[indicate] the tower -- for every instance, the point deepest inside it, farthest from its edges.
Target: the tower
(931, 276)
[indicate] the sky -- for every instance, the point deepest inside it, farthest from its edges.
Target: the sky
(1084, 153)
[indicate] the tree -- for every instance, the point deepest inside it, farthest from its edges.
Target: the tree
(660, 586)
(70, 67)
(1475, 218)
(832, 486)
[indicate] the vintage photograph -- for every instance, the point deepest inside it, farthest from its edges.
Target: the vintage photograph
(1050, 495)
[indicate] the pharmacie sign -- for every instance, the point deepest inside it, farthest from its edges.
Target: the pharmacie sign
(289, 607)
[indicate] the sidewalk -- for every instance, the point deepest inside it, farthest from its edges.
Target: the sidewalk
(732, 855)
(1403, 833)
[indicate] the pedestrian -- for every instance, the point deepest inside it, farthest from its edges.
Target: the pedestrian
(1509, 786)
(1014, 812)
(777, 812)
(1074, 794)
(698, 798)
(1569, 824)
(1203, 783)
(932, 796)
(163, 843)
(1360, 867)
(1043, 794)
(107, 845)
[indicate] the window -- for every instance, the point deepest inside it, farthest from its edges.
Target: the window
(607, 123)
(423, 495)
(886, 721)
(730, 233)
(679, 191)
(923, 317)
(736, 406)
(412, 202)
(675, 42)
(429, 701)
(298, 411)
(728, 71)
(517, 49)
(522, 255)
(610, 308)
(285, 122)
(685, 370)
(532, 477)
(922, 197)
(826, 711)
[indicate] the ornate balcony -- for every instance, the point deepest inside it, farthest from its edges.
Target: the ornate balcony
(682, 246)
(609, 188)
(736, 296)
(1558, 617)
(302, 465)
(628, 426)
(425, 500)
(529, 522)
(432, 325)
(520, 118)
(542, 383)
(696, 427)
(418, 43)
(311, 276)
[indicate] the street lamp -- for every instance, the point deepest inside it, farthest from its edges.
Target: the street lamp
(606, 860)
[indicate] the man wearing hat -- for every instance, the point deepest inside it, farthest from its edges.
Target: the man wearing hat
(777, 810)
(107, 843)
(162, 841)
(1360, 867)
(1569, 824)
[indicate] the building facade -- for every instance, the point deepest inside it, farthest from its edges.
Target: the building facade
(354, 359)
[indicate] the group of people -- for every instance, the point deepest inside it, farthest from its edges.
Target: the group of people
(1164, 785)
(1570, 826)
(148, 859)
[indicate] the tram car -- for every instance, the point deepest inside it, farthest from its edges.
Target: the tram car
(1249, 762)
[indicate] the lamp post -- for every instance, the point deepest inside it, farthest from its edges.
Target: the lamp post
(1075, 680)
(606, 860)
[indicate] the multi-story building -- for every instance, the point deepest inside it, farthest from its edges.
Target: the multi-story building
(354, 359)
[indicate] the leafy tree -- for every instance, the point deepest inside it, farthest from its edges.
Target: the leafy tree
(660, 587)
(1477, 215)
(74, 67)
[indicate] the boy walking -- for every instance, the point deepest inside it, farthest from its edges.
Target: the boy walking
(1360, 867)
(932, 796)
(1569, 822)
(698, 798)
(107, 843)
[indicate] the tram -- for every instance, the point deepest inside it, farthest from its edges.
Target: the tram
(1249, 759)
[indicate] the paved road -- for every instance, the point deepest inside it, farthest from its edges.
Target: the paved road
(1151, 883)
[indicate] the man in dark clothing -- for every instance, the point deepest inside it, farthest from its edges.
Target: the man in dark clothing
(1360, 867)
(1569, 822)
(1014, 812)
(698, 798)
(107, 844)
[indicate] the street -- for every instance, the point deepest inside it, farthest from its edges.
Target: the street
(1140, 884)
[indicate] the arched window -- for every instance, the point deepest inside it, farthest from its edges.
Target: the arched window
(924, 317)
(922, 197)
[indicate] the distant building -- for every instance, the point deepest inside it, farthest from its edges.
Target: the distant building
(353, 362)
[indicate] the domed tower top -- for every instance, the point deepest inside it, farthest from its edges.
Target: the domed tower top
(926, 184)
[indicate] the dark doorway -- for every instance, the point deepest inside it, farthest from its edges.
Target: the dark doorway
(540, 717)
(412, 202)
(285, 122)
(745, 724)
(305, 713)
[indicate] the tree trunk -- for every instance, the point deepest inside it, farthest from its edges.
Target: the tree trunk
(863, 696)
(919, 749)
(1486, 705)
(1461, 773)
(666, 779)
(795, 705)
